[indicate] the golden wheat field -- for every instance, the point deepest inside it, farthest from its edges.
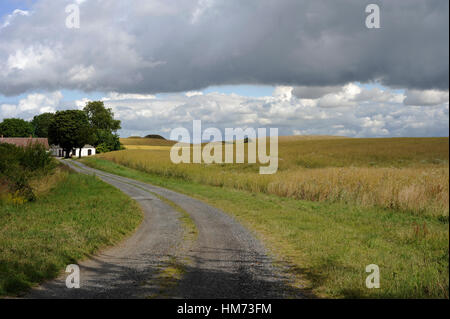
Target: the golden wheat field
(407, 174)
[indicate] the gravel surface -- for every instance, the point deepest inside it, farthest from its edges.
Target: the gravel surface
(224, 261)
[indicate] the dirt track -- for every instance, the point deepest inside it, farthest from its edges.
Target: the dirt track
(224, 261)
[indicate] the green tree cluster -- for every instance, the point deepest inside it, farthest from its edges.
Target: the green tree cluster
(105, 127)
(16, 128)
(71, 129)
(94, 125)
(41, 124)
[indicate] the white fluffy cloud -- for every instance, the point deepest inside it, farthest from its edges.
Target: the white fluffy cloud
(427, 97)
(10, 17)
(358, 112)
(346, 96)
(351, 110)
(33, 104)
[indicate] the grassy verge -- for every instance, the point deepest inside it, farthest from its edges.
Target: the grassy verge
(330, 244)
(70, 222)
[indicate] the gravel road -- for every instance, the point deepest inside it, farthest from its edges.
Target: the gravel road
(224, 261)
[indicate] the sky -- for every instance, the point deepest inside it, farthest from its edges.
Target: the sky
(305, 67)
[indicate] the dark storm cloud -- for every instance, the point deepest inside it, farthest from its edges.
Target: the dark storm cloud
(178, 45)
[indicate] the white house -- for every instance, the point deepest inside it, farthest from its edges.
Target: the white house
(87, 150)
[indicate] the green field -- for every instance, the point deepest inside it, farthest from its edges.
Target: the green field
(74, 219)
(392, 209)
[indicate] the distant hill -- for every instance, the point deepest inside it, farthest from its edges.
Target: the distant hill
(145, 141)
(158, 140)
(155, 136)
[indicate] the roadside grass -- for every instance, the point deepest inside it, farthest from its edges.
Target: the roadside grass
(328, 245)
(67, 223)
(43, 185)
(19, 166)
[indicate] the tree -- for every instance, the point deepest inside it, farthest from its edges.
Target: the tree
(104, 126)
(70, 129)
(41, 124)
(109, 141)
(16, 128)
(100, 117)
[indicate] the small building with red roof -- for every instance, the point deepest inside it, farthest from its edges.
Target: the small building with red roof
(25, 141)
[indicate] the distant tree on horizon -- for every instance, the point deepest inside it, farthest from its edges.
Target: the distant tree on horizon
(156, 136)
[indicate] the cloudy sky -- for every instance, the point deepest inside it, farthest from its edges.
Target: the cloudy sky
(306, 67)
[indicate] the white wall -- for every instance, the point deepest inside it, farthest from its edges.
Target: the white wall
(58, 152)
(84, 152)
